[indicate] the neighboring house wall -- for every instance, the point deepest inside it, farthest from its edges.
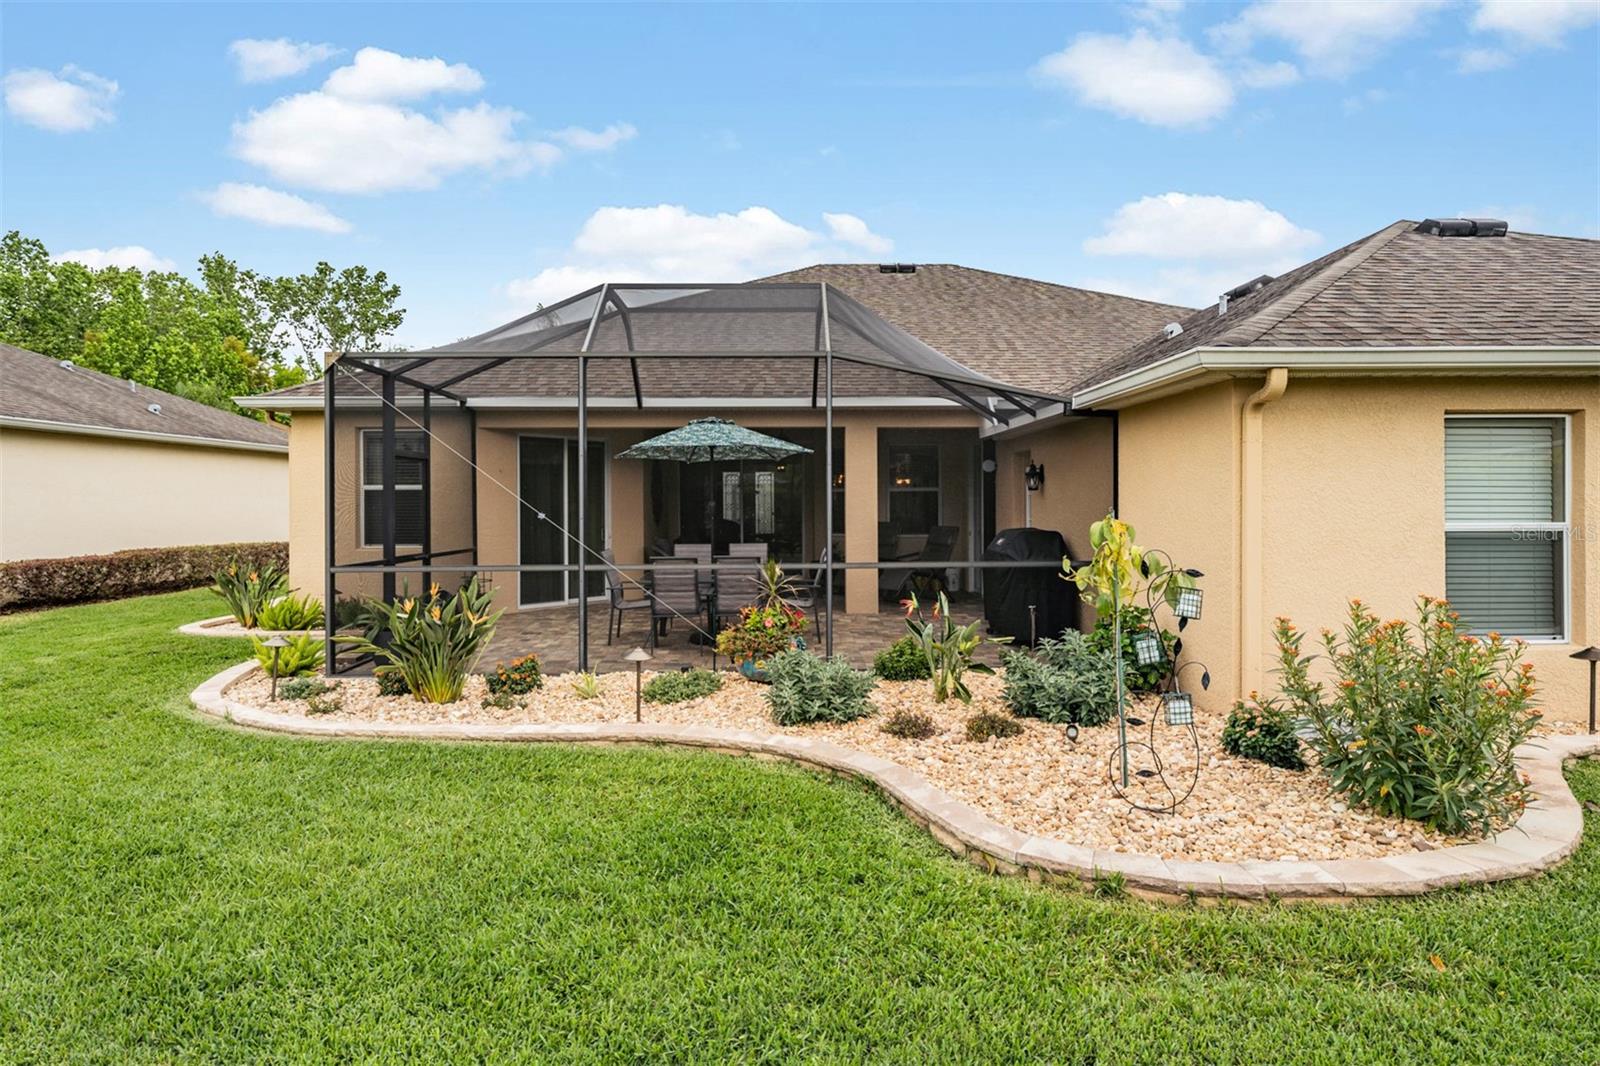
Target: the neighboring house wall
(63, 495)
(1350, 504)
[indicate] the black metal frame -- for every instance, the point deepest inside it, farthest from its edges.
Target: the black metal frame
(959, 382)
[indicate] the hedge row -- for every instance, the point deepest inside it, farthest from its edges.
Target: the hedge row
(45, 582)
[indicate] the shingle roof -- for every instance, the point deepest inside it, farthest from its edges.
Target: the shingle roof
(39, 389)
(1398, 288)
(1025, 332)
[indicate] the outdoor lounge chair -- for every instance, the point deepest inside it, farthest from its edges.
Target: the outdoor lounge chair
(620, 605)
(939, 548)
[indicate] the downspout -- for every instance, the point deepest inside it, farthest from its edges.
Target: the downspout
(1250, 624)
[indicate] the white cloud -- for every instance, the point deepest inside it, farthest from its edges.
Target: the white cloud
(1535, 22)
(1481, 60)
(270, 207)
(852, 230)
(1332, 36)
(73, 99)
(320, 141)
(581, 140)
(1361, 101)
(1159, 80)
(1179, 225)
(376, 74)
(132, 256)
(263, 60)
(1253, 75)
(669, 242)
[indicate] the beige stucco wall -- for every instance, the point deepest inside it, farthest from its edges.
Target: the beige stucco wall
(1077, 490)
(63, 495)
(1351, 503)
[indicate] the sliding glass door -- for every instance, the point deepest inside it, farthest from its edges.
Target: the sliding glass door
(548, 483)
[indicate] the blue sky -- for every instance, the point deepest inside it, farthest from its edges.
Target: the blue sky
(487, 156)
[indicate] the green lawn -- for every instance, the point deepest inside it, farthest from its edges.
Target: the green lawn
(171, 890)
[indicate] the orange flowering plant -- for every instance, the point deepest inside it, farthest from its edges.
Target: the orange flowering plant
(1422, 719)
(767, 627)
(431, 642)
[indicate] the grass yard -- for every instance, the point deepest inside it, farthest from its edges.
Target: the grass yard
(174, 891)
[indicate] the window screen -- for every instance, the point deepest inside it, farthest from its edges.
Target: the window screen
(409, 459)
(1506, 524)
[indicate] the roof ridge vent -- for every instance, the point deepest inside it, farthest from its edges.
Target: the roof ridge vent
(897, 268)
(1462, 227)
(1172, 329)
(153, 408)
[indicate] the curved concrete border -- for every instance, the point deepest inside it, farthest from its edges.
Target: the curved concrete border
(1547, 832)
(223, 625)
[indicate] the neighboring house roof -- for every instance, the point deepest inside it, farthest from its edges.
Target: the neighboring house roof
(1024, 332)
(1397, 289)
(37, 392)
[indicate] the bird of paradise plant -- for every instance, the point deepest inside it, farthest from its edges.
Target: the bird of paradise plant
(247, 590)
(947, 647)
(432, 643)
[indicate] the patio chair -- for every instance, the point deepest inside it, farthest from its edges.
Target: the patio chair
(738, 586)
(939, 548)
(888, 540)
(752, 550)
(620, 605)
(701, 554)
(675, 593)
(809, 594)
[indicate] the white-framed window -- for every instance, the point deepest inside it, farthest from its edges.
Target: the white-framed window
(409, 457)
(1507, 487)
(914, 501)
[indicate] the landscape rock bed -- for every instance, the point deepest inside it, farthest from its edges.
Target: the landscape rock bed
(1038, 783)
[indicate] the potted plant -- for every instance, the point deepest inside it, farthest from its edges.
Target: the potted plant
(764, 629)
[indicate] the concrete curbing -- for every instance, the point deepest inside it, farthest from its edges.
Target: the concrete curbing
(223, 625)
(1547, 833)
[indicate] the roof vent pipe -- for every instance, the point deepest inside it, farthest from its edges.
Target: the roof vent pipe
(1222, 305)
(68, 364)
(154, 408)
(1172, 329)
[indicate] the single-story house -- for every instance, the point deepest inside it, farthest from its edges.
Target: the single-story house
(1412, 413)
(91, 464)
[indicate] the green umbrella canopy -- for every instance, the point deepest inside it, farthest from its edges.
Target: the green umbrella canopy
(707, 440)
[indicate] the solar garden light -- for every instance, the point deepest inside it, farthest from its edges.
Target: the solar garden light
(277, 644)
(1147, 649)
(638, 657)
(1188, 604)
(1072, 732)
(1179, 707)
(1592, 656)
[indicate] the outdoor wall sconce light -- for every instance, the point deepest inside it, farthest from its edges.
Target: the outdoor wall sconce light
(1147, 649)
(277, 644)
(1034, 476)
(638, 657)
(1179, 707)
(1188, 605)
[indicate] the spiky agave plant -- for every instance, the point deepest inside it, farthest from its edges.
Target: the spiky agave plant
(433, 642)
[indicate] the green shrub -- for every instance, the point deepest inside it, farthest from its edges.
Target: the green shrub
(138, 572)
(248, 589)
(505, 699)
(301, 655)
(986, 724)
(433, 642)
(1265, 732)
(681, 685)
(300, 688)
(325, 702)
(1064, 680)
(901, 661)
(807, 688)
(391, 681)
(586, 686)
(1134, 619)
(910, 725)
(1421, 722)
(519, 677)
(291, 612)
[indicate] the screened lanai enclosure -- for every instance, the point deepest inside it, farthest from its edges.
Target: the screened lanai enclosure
(503, 456)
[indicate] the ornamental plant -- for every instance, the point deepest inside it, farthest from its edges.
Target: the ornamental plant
(302, 655)
(291, 612)
(1134, 620)
(762, 632)
(901, 661)
(681, 685)
(431, 641)
(1422, 721)
(1262, 730)
(948, 648)
(247, 590)
(519, 677)
(1064, 680)
(808, 688)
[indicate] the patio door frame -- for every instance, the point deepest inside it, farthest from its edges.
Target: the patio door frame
(565, 519)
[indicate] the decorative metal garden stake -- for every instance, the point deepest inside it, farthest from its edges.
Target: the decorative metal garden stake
(1591, 655)
(277, 644)
(638, 657)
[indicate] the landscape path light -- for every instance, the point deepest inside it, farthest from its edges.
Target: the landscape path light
(277, 644)
(638, 657)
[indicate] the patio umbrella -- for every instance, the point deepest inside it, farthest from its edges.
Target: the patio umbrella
(709, 440)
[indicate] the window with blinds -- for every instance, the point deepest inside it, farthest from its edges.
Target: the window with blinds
(1506, 524)
(409, 457)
